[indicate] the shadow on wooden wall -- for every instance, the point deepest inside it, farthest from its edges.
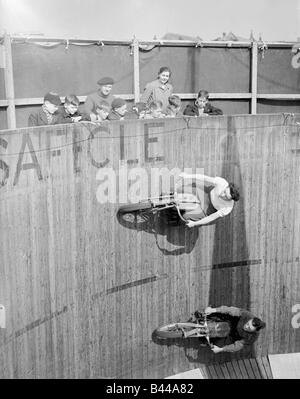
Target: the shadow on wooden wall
(230, 274)
(180, 236)
(229, 284)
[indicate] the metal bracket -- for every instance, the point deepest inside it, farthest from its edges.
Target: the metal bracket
(2, 316)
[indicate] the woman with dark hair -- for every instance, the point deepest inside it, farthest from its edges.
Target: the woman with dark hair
(159, 90)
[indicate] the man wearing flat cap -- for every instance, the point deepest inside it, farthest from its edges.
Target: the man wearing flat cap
(103, 94)
(47, 114)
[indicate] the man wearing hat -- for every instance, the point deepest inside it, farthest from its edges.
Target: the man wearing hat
(103, 94)
(47, 114)
(118, 109)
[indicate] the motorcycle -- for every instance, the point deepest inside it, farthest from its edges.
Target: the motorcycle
(180, 202)
(206, 326)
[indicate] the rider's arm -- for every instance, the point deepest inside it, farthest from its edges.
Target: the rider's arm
(235, 347)
(198, 176)
(211, 218)
(240, 343)
(205, 220)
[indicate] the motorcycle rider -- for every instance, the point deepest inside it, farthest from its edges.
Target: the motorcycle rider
(218, 201)
(244, 327)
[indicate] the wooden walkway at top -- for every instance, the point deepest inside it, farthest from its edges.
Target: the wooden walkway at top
(253, 368)
(279, 366)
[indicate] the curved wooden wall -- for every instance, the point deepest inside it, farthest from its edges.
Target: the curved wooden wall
(83, 290)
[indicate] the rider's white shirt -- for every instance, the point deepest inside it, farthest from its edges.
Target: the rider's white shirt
(223, 207)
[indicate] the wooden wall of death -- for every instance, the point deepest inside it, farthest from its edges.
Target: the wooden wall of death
(84, 290)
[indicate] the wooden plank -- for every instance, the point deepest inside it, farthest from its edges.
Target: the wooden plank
(136, 70)
(219, 371)
(254, 51)
(225, 371)
(236, 370)
(267, 366)
(212, 372)
(261, 368)
(243, 369)
(204, 372)
(9, 83)
(255, 368)
(231, 371)
(2, 317)
(226, 96)
(42, 39)
(216, 43)
(2, 56)
(291, 97)
(248, 368)
(277, 254)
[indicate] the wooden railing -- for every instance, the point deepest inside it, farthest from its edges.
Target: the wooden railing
(10, 103)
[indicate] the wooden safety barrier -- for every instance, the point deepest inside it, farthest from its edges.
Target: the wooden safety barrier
(252, 86)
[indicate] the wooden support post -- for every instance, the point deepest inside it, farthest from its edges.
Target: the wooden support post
(2, 316)
(136, 70)
(9, 83)
(254, 78)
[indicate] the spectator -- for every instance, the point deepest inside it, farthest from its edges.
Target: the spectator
(202, 106)
(47, 114)
(159, 89)
(101, 112)
(104, 93)
(173, 109)
(139, 109)
(155, 110)
(136, 112)
(68, 113)
(118, 109)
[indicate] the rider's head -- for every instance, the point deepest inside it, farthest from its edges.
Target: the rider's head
(234, 193)
(254, 324)
(230, 193)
